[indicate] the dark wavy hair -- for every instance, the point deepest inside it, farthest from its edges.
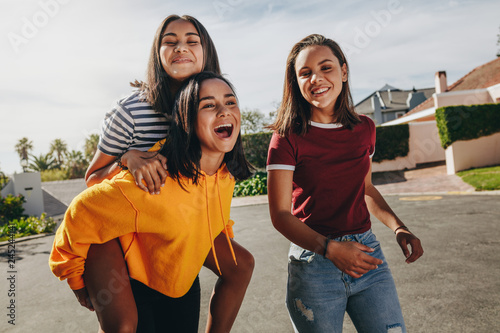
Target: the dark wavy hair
(182, 149)
(157, 86)
(294, 112)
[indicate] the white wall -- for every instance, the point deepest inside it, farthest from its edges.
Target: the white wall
(29, 184)
(424, 147)
(482, 152)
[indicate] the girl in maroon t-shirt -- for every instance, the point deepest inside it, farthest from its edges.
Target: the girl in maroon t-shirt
(320, 156)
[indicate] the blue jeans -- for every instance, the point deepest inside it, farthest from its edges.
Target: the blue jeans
(318, 293)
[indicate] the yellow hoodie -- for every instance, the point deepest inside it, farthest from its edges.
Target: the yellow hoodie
(165, 237)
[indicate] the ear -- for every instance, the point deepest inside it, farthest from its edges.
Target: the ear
(344, 73)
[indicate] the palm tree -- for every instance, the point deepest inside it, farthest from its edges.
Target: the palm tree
(23, 148)
(76, 164)
(43, 162)
(91, 146)
(59, 147)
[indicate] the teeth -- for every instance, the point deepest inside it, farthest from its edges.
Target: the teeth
(224, 125)
(319, 91)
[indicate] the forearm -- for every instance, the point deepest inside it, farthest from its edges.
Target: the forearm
(106, 172)
(298, 232)
(380, 209)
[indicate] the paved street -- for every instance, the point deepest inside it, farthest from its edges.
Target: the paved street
(454, 287)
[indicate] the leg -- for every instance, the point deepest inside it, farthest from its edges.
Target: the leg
(374, 305)
(108, 285)
(231, 286)
(316, 294)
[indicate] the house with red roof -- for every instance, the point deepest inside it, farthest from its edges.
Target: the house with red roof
(479, 86)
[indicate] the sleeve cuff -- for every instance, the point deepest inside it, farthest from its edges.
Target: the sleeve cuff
(76, 283)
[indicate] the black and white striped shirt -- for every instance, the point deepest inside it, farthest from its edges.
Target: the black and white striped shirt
(132, 124)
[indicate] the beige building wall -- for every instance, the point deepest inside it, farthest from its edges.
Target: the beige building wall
(424, 147)
(464, 97)
(482, 152)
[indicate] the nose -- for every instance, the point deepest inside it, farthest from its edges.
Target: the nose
(223, 111)
(316, 77)
(180, 47)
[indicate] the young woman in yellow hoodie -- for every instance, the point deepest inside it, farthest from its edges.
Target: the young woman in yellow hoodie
(181, 47)
(166, 238)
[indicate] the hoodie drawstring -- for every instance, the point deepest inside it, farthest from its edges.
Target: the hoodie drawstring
(223, 224)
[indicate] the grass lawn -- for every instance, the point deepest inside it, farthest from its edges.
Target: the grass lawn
(483, 179)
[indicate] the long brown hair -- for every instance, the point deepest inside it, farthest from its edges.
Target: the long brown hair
(157, 86)
(294, 112)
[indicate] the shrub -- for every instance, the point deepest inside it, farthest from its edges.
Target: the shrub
(27, 226)
(257, 185)
(467, 122)
(53, 175)
(392, 142)
(11, 207)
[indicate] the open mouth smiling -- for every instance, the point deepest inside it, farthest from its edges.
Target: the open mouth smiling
(224, 130)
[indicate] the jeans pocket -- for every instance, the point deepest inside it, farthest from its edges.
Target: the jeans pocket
(298, 255)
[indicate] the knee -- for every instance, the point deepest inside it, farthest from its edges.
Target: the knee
(246, 264)
(127, 326)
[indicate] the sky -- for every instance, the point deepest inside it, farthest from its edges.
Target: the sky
(65, 63)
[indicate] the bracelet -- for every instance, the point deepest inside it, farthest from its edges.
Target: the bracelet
(401, 227)
(119, 162)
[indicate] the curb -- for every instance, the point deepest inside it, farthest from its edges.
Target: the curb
(26, 238)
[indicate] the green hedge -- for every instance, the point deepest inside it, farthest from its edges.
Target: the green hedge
(11, 207)
(467, 122)
(255, 146)
(392, 142)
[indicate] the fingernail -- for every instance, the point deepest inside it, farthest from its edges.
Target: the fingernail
(162, 185)
(157, 192)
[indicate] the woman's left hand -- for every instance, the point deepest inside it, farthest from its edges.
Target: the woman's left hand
(405, 238)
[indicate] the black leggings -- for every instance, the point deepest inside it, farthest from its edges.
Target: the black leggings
(160, 313)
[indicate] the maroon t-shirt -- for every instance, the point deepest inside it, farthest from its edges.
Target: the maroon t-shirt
(329, 165)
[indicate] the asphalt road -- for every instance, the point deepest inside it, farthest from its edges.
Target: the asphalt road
(454, 287)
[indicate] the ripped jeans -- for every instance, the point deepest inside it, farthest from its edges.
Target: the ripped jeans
(319, 294)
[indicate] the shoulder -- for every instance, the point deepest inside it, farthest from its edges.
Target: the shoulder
(134, 101)
(366, 120)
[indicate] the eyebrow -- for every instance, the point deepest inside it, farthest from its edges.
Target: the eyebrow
(175, 35)
(320, 63)
(212, 97)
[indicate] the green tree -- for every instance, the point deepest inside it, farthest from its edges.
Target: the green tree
(23, 148)
(59, 147)
(76, 164)
(252, 121)
(3, 179)
(42, 163)
(91, 146)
